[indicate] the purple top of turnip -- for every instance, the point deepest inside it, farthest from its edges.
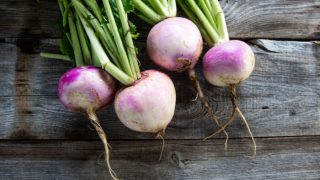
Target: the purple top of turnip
(228, 63)
(86, 87)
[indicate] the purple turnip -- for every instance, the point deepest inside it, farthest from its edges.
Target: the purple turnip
(176, 44)
(88, 89)
(148, 105)
(227, 63)
(168, 46)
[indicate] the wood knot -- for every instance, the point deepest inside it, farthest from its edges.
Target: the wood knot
(177, 160)
(292, 112)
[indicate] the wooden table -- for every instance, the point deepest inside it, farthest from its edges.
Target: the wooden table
(42, 140)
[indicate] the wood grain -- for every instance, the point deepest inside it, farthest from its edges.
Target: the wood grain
(47, 119)
(39, 139)
(279, 19)
(281, 98)
(285, 158)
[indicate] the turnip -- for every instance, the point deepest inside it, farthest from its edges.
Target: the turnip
(140, 105)
(169, 48)
(88, 89)
(145, 103)
(228, 63)
(148, 105)
(142, 92)
(174, 43)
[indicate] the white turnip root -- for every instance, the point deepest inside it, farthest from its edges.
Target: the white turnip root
(88, 89)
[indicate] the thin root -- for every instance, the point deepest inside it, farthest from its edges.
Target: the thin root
(159, 136)
(222, 128)
(196, 98)
(235, 112)
(205, 103)
(249, 131)
(96, 124)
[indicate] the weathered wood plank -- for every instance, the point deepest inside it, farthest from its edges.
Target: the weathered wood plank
(281, 98)
(277, 158)
(24, 72)
(45, 118)
(280, 19)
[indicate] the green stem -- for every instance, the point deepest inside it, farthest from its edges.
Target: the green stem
(209, 7)
(83, 41)
(55, 56)
(207, 13)
(164, 2)
(220, 19)
(65, 4)
(158, 6)
(69, 38)
(104, 60)
(93, 5)
(172, 6)
(110, 47)
(145, 19)
(103, 33)
(65, 13)
(147, 12)
(95, 59)
(204, 21)
(61, 6)
(128, 40)
(117, 38)
(193, 18)
(75, 40)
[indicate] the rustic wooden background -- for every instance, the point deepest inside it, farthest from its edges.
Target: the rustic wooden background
(39, 139)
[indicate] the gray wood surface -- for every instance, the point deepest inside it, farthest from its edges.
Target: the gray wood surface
(284, 158)
(283, 90)
(279, 19)
(39, 139)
